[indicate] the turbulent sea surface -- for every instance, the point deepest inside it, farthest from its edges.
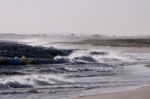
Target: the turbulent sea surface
(85, 71)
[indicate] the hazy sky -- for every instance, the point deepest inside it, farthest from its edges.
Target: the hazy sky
(78, 16)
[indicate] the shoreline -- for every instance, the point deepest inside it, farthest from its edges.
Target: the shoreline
(137, 93)
(118, 42)
(141, 92)
(101, 47)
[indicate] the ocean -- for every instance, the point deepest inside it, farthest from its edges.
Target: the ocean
(86, 71)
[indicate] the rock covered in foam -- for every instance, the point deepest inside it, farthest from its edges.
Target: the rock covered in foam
(61, 59)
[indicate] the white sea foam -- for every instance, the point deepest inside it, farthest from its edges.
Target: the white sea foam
(31, 80)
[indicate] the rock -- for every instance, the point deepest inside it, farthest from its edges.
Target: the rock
(19, 54)
(8, 49)
(61, 60)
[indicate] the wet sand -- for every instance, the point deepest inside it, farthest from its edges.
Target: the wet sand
(141, 93)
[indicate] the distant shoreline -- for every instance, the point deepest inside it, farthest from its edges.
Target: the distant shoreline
(129, 45)
(116, 42)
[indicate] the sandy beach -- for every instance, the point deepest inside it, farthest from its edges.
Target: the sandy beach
(141, 93)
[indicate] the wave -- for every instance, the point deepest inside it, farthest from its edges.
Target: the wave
(43, 55)
(29, 81)
(92, 56)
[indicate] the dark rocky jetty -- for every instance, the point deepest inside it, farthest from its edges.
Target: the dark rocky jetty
(12, 53)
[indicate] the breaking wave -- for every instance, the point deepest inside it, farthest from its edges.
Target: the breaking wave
(31, 81)
(92, 56)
